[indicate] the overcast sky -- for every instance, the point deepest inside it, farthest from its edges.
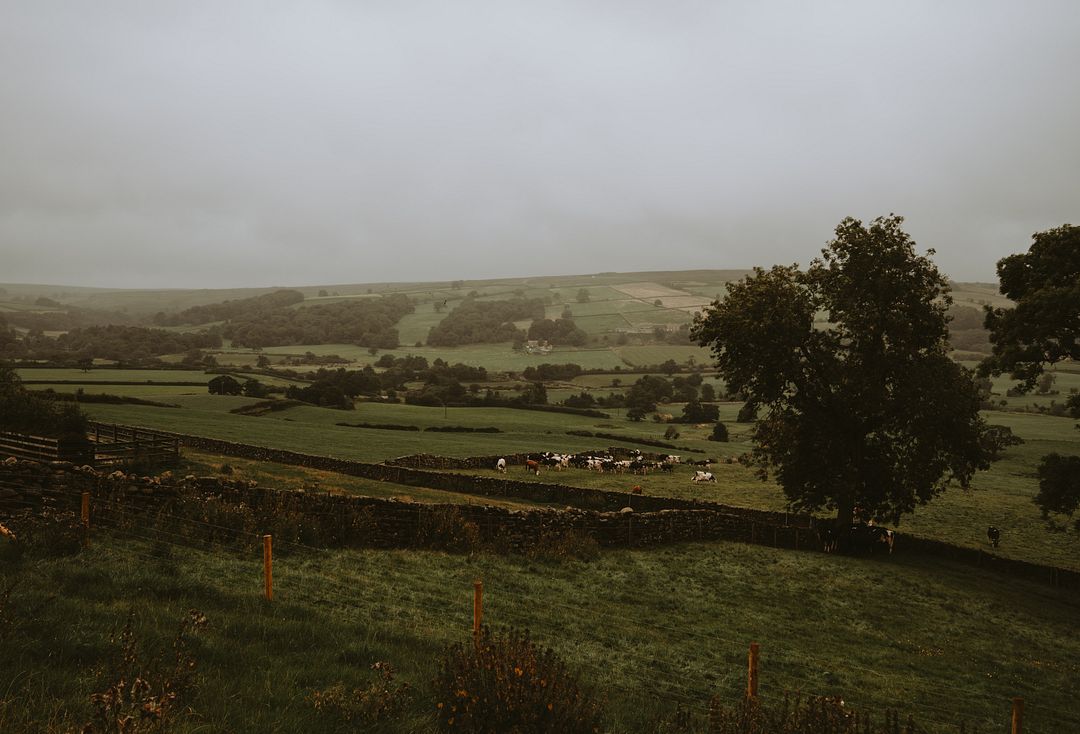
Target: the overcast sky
(206, 144)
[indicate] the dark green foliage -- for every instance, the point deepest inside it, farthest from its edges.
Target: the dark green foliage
(22, 411)
(254, 307)
(870, 412)
(698, 412)
(504, 683)
(368, 322)
(747, 413)
(560, 331)
(484, 322)
(647, 392)
(224, 385)
(719, 433)
(545, 371)
(255, 389)
(122, 343)
(1044, 327)
(581, 400)
(1059, 485)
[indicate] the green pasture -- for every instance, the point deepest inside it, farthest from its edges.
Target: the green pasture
(111, 375)
(146, 392)
(645, 630)
(414, 327)
(658, 354)
(298, 478)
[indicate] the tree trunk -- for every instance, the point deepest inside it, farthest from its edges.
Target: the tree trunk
(845, 515)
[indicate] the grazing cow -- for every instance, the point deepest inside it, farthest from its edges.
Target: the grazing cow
(500, 465)
(703, 476)
(993, 535)
(868, 538)
(828, 536)
(533, 466)
(636, 489)
(667, 468)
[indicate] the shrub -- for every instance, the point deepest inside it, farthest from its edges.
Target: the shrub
(800, 716)
(445, 528)
(747, 413)
(379, 701)
(503, 682)
(564, 546)
(719, 433)
(146, 694)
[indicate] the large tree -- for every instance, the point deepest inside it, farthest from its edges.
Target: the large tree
(1044, 325)
(859, 404)
(1042, 328)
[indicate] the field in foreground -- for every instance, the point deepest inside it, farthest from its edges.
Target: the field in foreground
(646, 629)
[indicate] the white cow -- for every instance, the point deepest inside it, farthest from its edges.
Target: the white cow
(703, 476)
(500, 465)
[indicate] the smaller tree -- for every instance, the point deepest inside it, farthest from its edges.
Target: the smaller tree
(719, 433)
(697, 412)
(224, 385)
(583, 295)
(636, 413)
(1059, 485)
(254, 389)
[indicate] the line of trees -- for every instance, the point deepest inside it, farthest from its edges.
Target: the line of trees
(370, 322)
(484, 322)
(234, 309)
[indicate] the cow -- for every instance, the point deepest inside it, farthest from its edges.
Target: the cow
(636, 489)
(869, 538)
(703, 476)
(500, 465)
(532, 466)
(993, 535)
(667, 468)
(828, 536)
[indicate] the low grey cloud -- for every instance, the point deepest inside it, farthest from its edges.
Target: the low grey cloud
(203, 144)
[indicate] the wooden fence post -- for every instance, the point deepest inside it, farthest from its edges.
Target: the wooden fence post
(86, 518)
(268, 567)
(477, 605)
(1017, 715)
(752, 671)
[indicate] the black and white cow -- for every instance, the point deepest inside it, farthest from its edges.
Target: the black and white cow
(866, 539)
(703, 476)
(993, 535)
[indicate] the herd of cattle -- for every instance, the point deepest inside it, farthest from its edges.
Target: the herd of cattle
(604, 462)
(864, 538)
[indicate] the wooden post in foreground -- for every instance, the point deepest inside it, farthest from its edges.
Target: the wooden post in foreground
(1018, 715)
(268, 567)
(752, 671)
(86, 518)
(477, 605)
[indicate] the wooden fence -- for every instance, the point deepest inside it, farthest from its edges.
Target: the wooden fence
(106, 445)
(114, 444)
(43, 448)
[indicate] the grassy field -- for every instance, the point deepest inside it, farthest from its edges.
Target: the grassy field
(111, 375)
(1000, 497)
(647, 630)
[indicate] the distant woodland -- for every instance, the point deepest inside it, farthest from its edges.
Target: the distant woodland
(485, 322)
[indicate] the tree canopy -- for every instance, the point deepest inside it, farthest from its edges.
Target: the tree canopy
(863, 409)
(1044, 326)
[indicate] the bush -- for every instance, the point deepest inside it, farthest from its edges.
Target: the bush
(503, 682)
(747, 413)
(564, 546)
(719, 433)
(800, 716)
(146, 695)
(381, 700)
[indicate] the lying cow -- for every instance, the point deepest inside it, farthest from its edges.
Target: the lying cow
(703, 476)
